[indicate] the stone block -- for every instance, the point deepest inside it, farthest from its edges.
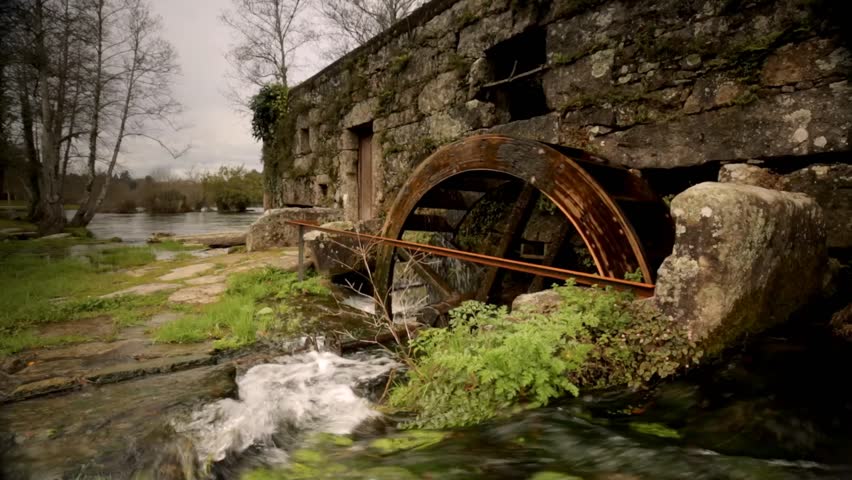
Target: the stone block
(829, 185)
(745, 258)
(808, 121)
(439, 93)
(271, 231)
(805, 62)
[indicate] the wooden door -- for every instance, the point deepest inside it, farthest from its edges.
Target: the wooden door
(365, 177)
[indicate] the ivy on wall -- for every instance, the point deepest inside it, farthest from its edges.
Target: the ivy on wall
(268, 106)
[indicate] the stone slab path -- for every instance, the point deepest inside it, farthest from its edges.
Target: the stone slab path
(114, 354)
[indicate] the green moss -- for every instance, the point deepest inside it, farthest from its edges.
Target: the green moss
(386, 100)
(553, 476)
(398, 63)
(410, 440)
(655, 429)
(459, 63)
(466, 17)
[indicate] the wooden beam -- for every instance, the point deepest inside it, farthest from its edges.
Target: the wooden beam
(550, 255)
(428, 223)
(482, 182)
(431, 276)
(448, 199)
(518, 218)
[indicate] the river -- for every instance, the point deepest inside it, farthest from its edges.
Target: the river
(138, 227)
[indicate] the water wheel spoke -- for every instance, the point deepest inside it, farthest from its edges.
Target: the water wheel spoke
(550, 255)
(429, 275)
(516, 224)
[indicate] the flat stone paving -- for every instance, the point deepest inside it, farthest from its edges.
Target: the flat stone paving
(115, 355)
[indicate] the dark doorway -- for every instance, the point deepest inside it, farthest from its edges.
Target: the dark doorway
(365, 171)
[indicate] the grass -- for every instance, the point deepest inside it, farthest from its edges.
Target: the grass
(28, 339)
(41, 284)
(9, 223)
(255, 305)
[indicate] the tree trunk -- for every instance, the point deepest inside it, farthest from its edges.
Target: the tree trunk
(53, 215)
(86, 211)
(34, 212)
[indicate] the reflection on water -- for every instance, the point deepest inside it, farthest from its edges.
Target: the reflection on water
(137, 227)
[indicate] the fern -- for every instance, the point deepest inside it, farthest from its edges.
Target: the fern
(488, 361)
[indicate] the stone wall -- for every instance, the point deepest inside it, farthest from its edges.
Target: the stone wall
(646, 84)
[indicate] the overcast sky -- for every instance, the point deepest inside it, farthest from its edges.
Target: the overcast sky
(218, 135)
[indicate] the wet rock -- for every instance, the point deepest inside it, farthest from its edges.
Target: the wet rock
(270, 230)
(122, 372)
(214, 240)
(43, 387)
(744, 259)
(101, 429)
(829, 185)
(186, 272)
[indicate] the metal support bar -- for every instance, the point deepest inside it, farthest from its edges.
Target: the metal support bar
(301, 252)
(583, 278)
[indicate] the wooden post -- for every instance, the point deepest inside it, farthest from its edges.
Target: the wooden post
(301, 253)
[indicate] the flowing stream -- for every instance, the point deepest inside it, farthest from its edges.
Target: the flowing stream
(308, 416)
(309, 392)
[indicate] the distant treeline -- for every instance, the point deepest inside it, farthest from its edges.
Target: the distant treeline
(228, 189)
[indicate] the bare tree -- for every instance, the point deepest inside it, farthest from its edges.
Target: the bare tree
(268, 32)
(354, 22)
(52, 26)
(143, 82)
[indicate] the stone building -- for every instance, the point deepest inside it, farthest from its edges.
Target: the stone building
(673, 92)
(661, 84)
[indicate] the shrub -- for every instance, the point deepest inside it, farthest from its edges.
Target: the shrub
(234, 188)
(488, 361)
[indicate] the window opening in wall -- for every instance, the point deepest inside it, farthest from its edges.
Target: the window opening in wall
(516, 65)
(304, 141)
(365, 170)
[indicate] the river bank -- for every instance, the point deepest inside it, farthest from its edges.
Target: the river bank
(167, 361)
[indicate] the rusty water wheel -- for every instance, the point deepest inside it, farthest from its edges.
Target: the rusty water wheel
(449, 183)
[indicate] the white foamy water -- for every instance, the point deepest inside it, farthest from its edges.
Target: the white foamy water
(309, 392)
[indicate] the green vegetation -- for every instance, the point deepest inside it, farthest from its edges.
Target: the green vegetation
(398, 63)
(655, 429)
(9, 223)
(489, 362)
(251, 308)
(234, 188)
(41, 284)
(268, 106)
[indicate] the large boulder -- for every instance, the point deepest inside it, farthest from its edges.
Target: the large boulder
(830, 185)
(744, 259)
(271, 230)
